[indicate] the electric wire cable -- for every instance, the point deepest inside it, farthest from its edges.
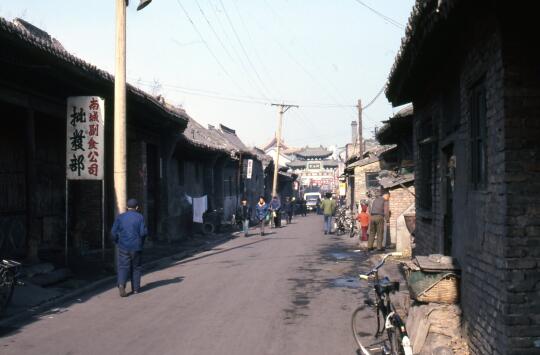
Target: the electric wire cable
(248, 76)
(225, 71)
(242, 46)
(381, 15)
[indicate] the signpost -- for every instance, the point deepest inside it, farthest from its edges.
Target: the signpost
(85, 143)
(249, 168)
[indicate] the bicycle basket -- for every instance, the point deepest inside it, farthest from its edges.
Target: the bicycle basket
(438, 287)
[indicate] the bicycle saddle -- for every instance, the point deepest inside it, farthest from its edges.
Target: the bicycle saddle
(388, 286)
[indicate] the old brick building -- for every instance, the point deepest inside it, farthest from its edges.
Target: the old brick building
(37, 75)
(398, 179)
(471, 70)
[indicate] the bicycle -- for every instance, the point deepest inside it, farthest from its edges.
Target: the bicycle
(397, 342)
(9, 274)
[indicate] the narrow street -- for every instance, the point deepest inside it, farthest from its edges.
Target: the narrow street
(285, 293)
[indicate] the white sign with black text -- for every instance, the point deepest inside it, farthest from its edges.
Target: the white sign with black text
(85, 139)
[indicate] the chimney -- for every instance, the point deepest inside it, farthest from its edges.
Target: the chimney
(354, 131)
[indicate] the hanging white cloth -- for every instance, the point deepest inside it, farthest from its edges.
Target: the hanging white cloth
(189, 199)
(200, 205)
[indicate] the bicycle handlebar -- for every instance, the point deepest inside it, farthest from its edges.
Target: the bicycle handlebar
(379, 265)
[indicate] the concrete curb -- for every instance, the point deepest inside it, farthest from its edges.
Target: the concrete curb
(47, 305)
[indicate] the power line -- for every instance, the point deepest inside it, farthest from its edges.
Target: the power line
(383, 16)
(304, 68)
(223, 45)
(224, 96)
(375, 98)
(242, 46)
(208, 47)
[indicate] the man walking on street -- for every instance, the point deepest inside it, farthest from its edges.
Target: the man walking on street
(128, 233)
(288, 209)
(380, 215)
(275, 206)
(261, 211)
(245, 216)
(328, 207)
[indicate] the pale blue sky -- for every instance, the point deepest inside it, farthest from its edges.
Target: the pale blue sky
(306, 52)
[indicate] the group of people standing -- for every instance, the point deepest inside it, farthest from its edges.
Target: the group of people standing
(373, 219)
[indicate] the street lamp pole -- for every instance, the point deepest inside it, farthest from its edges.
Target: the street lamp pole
(120, 141)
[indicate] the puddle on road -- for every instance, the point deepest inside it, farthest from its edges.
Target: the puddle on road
(349, 282)
(343, 255)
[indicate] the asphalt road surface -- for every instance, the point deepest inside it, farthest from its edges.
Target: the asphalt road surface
(290, 292)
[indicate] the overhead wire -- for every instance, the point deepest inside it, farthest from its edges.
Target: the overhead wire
(375, 98)
(225, 71)
(381, 15)
(242, 46)
(314, 78)
(248, 76)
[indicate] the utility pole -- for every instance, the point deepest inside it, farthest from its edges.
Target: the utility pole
(120, 151)
(282, 109)
(119, 141)
(359, 135)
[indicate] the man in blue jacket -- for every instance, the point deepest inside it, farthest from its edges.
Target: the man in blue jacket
(128, 233)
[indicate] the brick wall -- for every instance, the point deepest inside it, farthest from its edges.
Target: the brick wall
(479, 215)
(400, 200)
(360, 179)
(521, 262)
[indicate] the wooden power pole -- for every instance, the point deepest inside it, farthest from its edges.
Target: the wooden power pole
(282, 109)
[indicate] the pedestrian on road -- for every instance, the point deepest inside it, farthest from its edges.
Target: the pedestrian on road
(328, 207)
(380, 215)
(245, 216)
(128, 233)
(318, 205)
(287, 209)
(363, 218)
(261, 211)
(275, 207)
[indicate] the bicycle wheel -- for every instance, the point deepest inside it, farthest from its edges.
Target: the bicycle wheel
(7, 284)
(394, 338)
(356, 332)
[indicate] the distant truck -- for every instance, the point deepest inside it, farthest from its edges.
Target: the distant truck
(311, 200)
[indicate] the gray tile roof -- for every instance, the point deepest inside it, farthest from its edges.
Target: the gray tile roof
(316, 152)
(25, 34)
(425, 17)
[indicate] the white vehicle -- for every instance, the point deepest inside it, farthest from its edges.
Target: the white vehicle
(311, 200)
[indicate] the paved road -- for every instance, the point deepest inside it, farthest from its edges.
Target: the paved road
(276, 294)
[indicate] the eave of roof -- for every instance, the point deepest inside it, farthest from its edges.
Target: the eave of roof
(426, 15)
(393, 129)
(23, 37)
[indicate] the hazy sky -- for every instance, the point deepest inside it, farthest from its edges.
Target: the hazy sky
(235, 56)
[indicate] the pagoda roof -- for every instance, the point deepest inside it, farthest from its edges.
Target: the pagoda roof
(318, 152)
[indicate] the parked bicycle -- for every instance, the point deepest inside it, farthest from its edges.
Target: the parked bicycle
(342, 221)
(397, 341)
(9, 273)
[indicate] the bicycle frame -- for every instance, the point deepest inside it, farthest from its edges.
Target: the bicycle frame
(384, 308)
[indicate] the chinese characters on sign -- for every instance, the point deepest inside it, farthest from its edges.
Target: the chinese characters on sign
(249, 168)
(85, 138)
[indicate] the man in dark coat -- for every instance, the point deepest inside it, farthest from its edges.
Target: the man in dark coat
(245, 216)
(128, 233)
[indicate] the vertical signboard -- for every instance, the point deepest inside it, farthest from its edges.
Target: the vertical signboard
(85, 150)
(249, 168)
(85, 138)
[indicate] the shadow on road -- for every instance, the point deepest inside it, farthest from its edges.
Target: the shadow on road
(160, 283)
